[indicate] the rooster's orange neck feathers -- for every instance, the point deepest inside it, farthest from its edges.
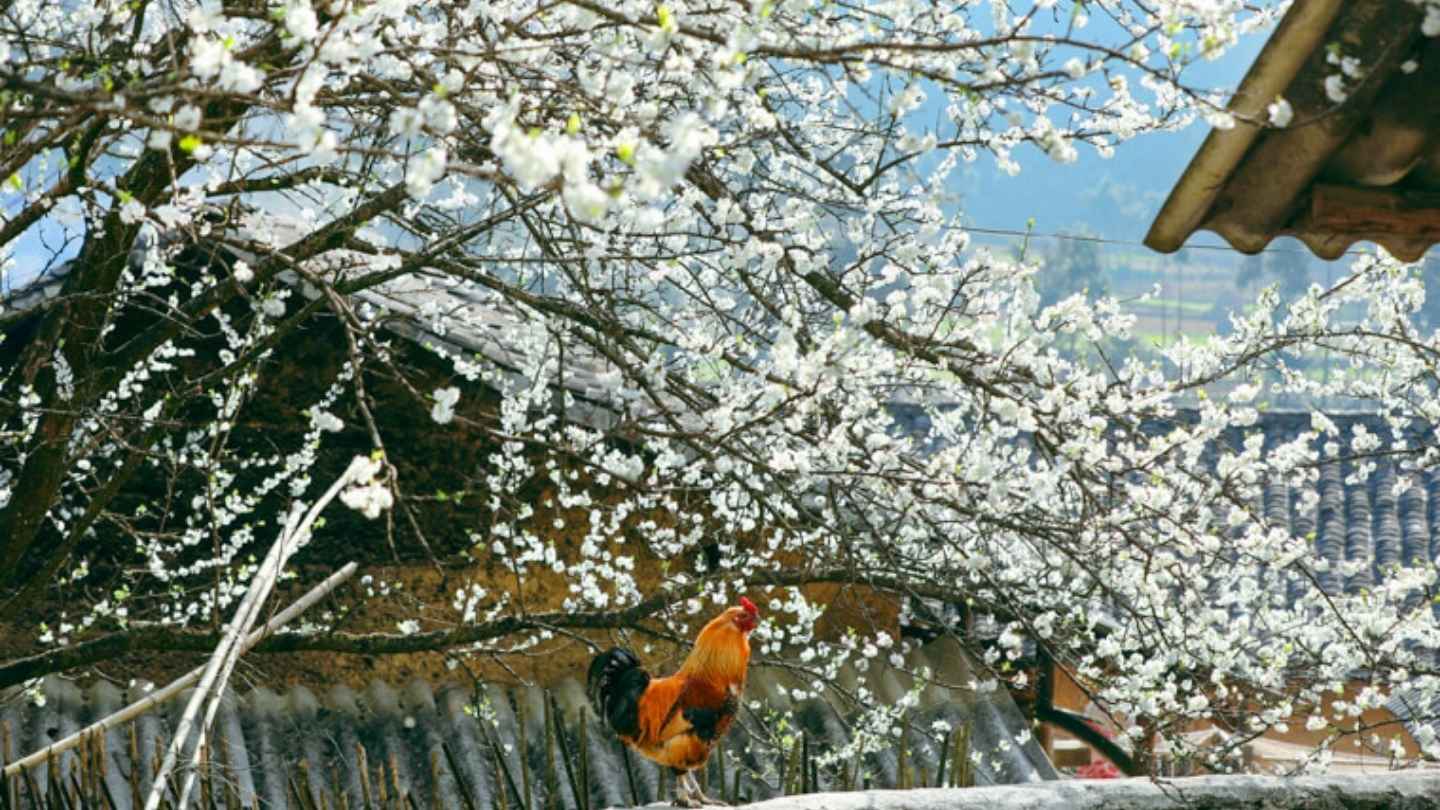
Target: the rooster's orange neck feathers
(721, 652)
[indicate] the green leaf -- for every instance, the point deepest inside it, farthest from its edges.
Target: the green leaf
(572, 124)
(190, 143)
(626, 153)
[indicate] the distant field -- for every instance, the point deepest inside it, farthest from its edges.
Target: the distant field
(1203, 292)
(1140, 306)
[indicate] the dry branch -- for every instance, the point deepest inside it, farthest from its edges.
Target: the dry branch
(231, 646)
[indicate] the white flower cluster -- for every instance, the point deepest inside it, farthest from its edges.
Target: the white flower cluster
(368, 491)
(443, 411)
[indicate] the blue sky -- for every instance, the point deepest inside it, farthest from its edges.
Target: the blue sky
(1115, 198)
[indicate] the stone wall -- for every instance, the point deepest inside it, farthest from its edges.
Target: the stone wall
(1397, 791)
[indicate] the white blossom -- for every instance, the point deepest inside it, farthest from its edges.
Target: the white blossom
(423, 170)
(1335, 88)
(1280, 113)
(328, 422)
(367, 493)
(1430, 26)
(301, 20)
(443, 411)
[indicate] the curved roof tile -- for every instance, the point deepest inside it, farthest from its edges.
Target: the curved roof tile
(1367, 169)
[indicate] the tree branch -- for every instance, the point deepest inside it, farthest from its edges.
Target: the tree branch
(104, 648)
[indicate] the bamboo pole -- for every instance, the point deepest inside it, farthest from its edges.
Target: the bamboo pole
(461, 786)
(206, 701)
(565, 757)
(155, 698)
(584, 746)
(362, 764)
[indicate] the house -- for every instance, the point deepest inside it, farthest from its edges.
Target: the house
(1360, 530)
(400, 728)
(1336, 140)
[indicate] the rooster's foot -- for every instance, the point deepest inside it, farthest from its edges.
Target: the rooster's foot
(699, 794)
(688, 801)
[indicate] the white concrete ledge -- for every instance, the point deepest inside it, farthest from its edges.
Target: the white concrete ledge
(1397, 791)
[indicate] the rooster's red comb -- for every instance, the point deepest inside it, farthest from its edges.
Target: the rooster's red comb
(749, 606)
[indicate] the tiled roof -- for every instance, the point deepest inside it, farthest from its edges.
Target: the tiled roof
(1365, 525)
(1365, 169)
(1359, 527)
(453, 317)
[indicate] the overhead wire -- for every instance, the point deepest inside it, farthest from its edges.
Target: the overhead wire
(1030, 234)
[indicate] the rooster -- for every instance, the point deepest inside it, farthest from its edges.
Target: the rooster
(675, 721)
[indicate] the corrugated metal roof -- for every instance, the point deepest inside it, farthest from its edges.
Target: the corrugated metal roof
(261, 737)
(1367, 169)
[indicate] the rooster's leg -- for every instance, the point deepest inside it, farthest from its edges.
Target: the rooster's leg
(684, 796)
(698, 794)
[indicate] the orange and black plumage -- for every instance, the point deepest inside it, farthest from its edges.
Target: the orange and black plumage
(677, 720)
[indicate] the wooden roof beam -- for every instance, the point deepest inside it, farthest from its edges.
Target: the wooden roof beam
(1352, 209)
(1336, 216)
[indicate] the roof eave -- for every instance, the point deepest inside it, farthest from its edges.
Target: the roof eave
(1300, 32)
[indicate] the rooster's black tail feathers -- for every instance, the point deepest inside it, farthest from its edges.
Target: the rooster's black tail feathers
(614, 684)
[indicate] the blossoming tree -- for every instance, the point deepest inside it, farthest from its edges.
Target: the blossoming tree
(737, 215)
